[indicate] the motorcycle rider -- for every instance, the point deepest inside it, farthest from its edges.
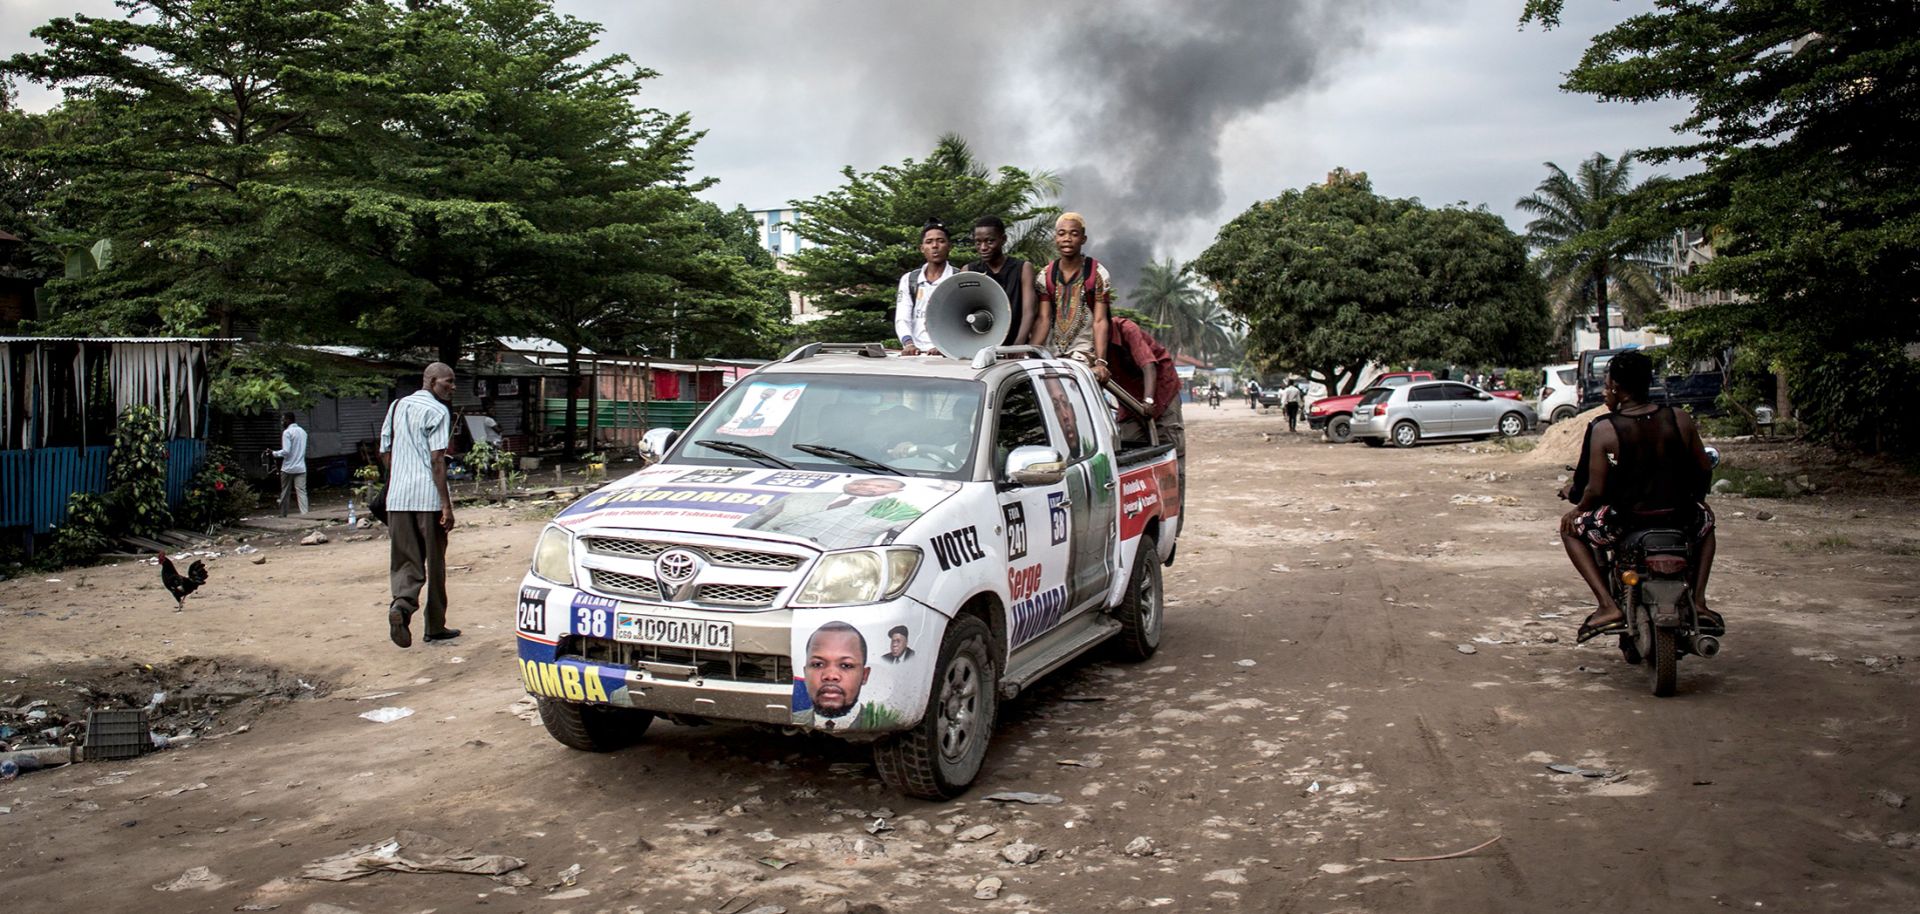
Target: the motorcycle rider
(1642, 465)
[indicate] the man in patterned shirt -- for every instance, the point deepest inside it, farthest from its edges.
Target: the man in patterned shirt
(413, 447)
(1077, 292)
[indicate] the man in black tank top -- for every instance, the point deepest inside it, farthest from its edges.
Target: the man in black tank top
(1013, 274)
(1642, 465)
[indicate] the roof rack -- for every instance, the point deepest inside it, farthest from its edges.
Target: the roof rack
(992, 354)
(864, 350)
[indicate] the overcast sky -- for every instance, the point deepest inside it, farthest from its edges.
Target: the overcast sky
(1164, 119)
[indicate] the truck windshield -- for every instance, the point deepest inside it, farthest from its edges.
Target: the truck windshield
(841, 423)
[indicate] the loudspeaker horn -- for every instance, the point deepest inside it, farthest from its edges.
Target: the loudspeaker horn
(966, 314)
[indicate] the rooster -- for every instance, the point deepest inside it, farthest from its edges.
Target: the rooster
(181, 585)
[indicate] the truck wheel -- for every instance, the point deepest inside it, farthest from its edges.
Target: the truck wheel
(1512, 425)
(939, 758)
(593, 728)
(1406, 434)
(1564, 413)
(1340, 429)
(1141, 609)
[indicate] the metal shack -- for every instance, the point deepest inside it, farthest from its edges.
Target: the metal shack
(59, 400)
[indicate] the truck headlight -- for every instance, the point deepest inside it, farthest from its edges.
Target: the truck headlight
(553, 556)
(859, 576)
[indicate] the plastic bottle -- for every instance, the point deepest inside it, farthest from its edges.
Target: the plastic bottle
(352, 521)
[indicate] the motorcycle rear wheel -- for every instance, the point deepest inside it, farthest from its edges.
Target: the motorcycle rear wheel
(1662, 667)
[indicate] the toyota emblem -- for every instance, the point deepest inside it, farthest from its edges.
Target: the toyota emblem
(677, 566)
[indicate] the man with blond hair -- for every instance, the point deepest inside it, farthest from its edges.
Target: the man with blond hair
(1077, 294)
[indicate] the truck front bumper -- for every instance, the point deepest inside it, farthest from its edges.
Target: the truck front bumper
(1317, 422)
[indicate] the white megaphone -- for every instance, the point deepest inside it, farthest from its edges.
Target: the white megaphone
(966, 314)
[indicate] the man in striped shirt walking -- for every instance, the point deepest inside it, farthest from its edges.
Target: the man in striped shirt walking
(413, 446)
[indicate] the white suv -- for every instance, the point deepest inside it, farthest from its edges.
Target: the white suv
(1560, 396)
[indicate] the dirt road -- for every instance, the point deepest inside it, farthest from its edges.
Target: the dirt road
(1313, 712)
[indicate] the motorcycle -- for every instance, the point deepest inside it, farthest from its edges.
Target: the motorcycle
(1650, 572)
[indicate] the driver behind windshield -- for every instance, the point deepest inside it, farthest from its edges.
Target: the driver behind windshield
(1642, 465)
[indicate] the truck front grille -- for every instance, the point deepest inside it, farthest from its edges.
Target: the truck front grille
(717, 665)
(736, 595)
(621, 547)
(632, 585)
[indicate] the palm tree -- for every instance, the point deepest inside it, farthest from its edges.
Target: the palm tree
(1590, 254)
(1196, 323)
(1031, 239)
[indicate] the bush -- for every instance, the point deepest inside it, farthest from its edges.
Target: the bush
(217, 495)
(1751, 483)
(82, 537)
(137, 474)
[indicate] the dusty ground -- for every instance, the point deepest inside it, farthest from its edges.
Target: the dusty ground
(1359, 730)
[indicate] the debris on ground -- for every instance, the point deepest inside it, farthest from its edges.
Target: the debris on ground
(1141, 847)
(1021, 796)
(1888, 798)
(987, 889)
(183, 699)
(198, 879)
(386, 715)
(315, 538)
(1564, 768)
(1453, 856)
(1021, 854)
(412, 852)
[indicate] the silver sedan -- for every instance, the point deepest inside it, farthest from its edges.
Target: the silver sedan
(1437, 409)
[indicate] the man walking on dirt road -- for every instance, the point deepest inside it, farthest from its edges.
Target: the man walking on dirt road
(413, 447)
(1290, 402)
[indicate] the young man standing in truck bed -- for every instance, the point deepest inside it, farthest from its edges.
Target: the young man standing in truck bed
(1075, 288)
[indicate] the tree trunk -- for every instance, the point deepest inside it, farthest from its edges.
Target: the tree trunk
(450, 350)
(593, 406)
(573, 406)
(1600, 295)
(1783, 397)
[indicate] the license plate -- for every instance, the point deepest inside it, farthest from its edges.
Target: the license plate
(670, 632)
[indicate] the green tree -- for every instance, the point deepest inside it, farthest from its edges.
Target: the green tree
(1594, 254)
(867, 232)
(1810, 186)
(190, 110)
(1194, 322)
(1334, 277)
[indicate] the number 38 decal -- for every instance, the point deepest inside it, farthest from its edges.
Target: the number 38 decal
(592, 616)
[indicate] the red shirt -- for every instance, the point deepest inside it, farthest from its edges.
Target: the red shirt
(1131, 349)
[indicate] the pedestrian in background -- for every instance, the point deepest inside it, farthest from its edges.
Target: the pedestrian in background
(293, 462)
(1253, 395)
(1290, 402)
(413, 446)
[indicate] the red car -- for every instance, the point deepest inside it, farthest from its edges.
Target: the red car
(1334, 415)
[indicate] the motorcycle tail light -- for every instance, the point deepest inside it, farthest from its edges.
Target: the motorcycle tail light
(1669, 565)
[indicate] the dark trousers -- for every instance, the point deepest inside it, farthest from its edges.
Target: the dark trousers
(419, 557)
(1293, 416)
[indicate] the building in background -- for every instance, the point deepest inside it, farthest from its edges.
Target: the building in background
(776, 234)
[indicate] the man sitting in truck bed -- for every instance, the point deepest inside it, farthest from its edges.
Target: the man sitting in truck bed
(1144, 368)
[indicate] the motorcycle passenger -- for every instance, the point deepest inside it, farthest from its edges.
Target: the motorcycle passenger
(1642, 465)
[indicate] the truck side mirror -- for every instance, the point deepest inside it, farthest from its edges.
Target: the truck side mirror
(657, 440)
(1035, 466)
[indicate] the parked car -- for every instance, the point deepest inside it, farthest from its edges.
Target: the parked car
(1694, 387)
(1437, 409)
(1560, 396)
(1335, 414)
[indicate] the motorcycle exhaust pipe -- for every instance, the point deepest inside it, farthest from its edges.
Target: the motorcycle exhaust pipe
(1706, 645)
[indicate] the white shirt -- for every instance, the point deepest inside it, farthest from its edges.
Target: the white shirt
(910, 312)
(417, 426)
(293, 450)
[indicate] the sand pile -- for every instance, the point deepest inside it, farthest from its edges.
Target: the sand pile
(1559, 445)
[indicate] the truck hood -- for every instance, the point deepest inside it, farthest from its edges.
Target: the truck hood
(824, 509)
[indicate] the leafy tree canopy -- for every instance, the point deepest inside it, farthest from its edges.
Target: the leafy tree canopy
(1804, 115)
(867, 232)
(1334, 277)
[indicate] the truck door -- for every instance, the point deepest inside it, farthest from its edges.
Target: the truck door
(1091, 489)
(1036, 520)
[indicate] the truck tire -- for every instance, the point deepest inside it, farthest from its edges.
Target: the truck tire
(1340, 429)
(593, 728)
(1564, 413)
(1142, 607)
(939, 758)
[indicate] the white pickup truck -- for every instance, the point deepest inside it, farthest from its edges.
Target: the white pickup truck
(854, 542)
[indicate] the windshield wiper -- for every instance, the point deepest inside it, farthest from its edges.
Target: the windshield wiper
(743, 450)
(845, 456)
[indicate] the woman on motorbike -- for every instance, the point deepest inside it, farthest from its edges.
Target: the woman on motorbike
(1641, 465)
